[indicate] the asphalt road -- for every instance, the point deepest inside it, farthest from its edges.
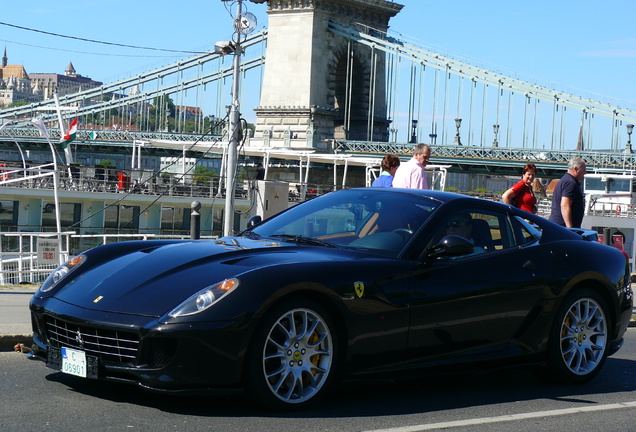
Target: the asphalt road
(33, 397)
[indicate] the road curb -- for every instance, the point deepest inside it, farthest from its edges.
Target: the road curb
(7, 342)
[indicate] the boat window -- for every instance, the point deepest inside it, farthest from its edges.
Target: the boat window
(8, 215)
(608, 184)
(121, 219)
(175, 220)
(70, 214)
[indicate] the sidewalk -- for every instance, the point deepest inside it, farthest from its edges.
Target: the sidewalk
(15, 318)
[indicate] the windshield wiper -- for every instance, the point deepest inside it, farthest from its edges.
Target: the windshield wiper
(250, 234)
(303, 240)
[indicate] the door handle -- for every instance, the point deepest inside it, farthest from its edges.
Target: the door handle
(529, 265)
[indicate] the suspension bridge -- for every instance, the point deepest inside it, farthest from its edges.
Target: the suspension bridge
(346, 88)
(476, 119)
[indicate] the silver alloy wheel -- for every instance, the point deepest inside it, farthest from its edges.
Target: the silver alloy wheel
(297, 356)
(583, 336)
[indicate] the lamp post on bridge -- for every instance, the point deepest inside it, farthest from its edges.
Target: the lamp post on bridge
(495, 143)
(628, 146)
(458, 123)
(413, 131)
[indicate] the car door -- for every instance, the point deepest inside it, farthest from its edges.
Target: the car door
(477, 302)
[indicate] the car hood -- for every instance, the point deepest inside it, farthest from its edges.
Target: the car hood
(154, 280)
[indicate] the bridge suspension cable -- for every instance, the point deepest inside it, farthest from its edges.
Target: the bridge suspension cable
(504, 114)
(91, 101)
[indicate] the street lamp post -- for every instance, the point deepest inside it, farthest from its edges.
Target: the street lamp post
(495, 143)
(458, 123)
(413, 131)
(628, 146)
(233, 132)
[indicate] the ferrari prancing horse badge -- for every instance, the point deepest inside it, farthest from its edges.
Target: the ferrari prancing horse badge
(359, 287)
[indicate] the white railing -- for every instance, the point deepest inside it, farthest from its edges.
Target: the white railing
(21, 263)
(610, 205)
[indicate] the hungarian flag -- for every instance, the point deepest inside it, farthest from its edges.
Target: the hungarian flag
(70, 134)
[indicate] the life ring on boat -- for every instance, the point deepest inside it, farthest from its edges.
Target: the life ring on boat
(5, 174)
(618, 210)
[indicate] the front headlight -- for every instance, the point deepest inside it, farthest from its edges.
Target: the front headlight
(204, 298)
(61, 272)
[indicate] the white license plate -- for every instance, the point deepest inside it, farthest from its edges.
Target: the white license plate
(74, 362)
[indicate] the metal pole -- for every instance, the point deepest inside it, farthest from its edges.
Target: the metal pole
(67, 151)
(228, 220)
(56, 186)
(195, 220)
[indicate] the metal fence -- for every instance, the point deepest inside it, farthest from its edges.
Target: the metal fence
(22, 262)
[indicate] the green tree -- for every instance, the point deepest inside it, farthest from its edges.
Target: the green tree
(158, 112)
(481, 191)
(203, 175)
(18, 103)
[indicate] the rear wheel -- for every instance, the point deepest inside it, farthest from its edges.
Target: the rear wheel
(293, 357)
(579, 338)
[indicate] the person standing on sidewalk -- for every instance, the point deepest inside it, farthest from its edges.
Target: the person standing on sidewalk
(411, 174)
(390, 164)
(568, 202)
(521, 194)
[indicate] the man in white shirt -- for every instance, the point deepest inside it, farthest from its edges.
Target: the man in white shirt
(411, 174)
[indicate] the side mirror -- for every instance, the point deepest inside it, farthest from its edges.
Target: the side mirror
(451, 246)
(254, 220)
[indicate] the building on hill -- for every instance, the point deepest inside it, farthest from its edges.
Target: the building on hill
(188, 112)
(16, 85)
(70, 82)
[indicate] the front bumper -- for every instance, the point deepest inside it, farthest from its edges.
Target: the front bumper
(188, 358)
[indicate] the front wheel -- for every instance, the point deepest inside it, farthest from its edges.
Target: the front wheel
(579, 338)
(293, 357)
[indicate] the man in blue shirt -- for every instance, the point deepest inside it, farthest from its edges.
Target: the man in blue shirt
(568, 202)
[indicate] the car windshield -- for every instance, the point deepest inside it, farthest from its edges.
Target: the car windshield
(380, 221)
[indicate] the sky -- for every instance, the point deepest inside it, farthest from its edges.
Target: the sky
(583, 47)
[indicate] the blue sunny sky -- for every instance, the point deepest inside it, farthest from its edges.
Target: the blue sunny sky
(583, 47)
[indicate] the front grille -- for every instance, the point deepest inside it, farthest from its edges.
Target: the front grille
(111, 346)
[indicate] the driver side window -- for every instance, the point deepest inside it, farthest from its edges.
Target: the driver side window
(487, 231)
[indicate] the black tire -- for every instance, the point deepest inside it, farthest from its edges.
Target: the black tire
(579, 338)
(293, 356)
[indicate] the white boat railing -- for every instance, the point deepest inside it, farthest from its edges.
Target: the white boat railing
(610, 205)
(23, 258)
(22, 262)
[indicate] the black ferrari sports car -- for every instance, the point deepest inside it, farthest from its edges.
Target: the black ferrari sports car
(350, 284)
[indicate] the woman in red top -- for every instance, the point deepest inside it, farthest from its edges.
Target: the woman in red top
(521, 194)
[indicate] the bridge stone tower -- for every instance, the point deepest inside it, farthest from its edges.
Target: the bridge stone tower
(311, 74)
